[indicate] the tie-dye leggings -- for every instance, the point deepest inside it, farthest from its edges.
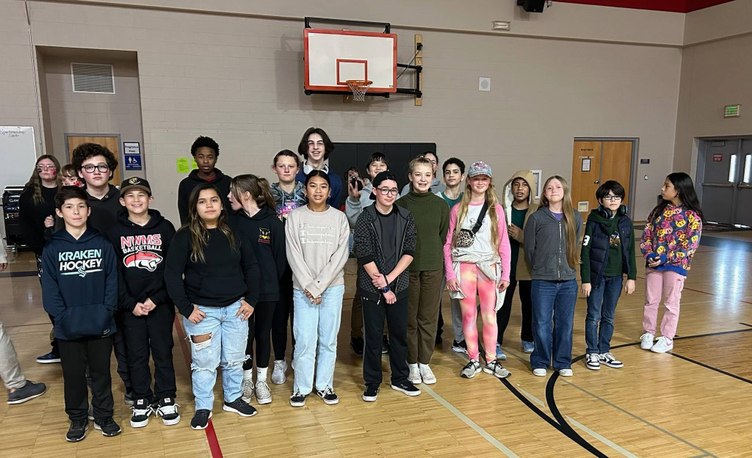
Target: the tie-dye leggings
(472, 282)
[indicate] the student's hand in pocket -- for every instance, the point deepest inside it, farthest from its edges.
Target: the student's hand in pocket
(196, 315)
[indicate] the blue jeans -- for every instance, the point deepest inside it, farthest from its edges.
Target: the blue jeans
(315, 328)
(225, 347)
(553, 315)
(601, 306)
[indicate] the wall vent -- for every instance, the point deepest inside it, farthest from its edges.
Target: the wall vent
(96, 78)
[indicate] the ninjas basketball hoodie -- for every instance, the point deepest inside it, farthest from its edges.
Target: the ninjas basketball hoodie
(141, 252)
(80, 284)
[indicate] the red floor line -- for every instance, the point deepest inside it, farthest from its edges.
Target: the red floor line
(211, 435)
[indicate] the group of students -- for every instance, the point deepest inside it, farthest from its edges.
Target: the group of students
(249, 254)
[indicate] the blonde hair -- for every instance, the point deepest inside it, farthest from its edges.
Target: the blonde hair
(570, 223)
(257, 187)
(491, 199)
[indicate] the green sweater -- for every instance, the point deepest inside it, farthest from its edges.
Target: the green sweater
(431, 216)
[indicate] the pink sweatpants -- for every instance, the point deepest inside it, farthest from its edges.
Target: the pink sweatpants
(473, 281)
(667, 285)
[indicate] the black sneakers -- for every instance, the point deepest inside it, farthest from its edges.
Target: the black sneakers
(142, 410)
(406, 387)
(167, 410)
(371, 392)
(108, 427)
(49, 358)
(240, 407)
(77, 430)
(201, 419)
(27, 392)
(328, 396)
(297, 399)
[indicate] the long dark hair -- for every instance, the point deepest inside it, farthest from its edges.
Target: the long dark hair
(685, 190)
(303, 145)
(198, 229)
(35, 181)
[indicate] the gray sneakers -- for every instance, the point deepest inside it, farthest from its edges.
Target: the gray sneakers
(27, 392)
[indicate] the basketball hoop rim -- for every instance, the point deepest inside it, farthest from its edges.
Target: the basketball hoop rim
(359, 83)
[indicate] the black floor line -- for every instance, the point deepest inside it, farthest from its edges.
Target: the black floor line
(19, 274)
(707, 366)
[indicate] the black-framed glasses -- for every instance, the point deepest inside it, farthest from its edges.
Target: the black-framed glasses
(612, 198)
(89, 168)
(388, 191)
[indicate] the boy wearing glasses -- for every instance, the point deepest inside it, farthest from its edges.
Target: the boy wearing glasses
(95, 164)
(385, 240)
(608, 252)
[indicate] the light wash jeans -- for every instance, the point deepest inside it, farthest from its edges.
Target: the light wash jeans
(226, 347)
(315, 328)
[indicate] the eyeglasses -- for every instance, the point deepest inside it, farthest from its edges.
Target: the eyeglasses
(89, 168)
(388, 191)
(612, 198)
(42, 168)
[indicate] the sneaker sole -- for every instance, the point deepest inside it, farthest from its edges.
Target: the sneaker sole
(27, 398)
(234, 410)
(264, 401)
(203, 427)
(415, 381)
(330, 402)
(661, 351)
(369, 398)
(429, 381)
(170, 422)
(48, 361)
(297, 404)
(78, 439)
(403, 391)
(541, 374)
(593, 368)
(139, 424)
(99, 428)
(614, 366)
(503, 375)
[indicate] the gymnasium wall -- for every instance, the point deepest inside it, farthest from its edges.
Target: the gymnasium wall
(716, 69)
(235, 73)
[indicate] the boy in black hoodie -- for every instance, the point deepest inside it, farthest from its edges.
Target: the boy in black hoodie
(141, 239)
(79, 290)
(205, 152)
(96, 164)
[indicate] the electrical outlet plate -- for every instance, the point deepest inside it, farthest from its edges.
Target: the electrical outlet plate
(484, 84)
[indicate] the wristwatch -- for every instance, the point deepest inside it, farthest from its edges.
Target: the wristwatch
(385, 289)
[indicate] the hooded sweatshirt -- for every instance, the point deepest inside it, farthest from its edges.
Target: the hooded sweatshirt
(141, 253)
(265, 233)
(221, 181)
(335, 182)
(353, 208)
(80, 284)
(104, 211)
(520, 267)
(32, 216)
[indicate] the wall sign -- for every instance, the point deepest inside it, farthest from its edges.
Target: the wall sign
(717, 157)
(132, 155)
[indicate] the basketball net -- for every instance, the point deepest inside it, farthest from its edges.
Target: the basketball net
(359, 89)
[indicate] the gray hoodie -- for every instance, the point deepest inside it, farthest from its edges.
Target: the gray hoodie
(546, 246)
(522, 269)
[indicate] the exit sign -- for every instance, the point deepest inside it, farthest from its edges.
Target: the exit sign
(732, 111)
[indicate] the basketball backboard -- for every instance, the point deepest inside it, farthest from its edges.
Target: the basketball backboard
(334, 56)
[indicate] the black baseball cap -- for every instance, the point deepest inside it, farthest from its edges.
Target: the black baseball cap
(135, 182)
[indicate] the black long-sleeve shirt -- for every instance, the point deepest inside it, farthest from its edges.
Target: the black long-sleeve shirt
(226, 275)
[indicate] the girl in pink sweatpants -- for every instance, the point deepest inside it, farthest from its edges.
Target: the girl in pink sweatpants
(671, 237)
(478, 264)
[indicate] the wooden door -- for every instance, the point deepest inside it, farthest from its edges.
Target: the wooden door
(596, 161)
(111, 142)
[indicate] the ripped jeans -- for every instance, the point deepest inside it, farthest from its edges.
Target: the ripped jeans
(226, 347)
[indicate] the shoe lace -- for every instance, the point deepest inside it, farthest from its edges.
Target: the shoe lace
(262, 389)
(168, 409)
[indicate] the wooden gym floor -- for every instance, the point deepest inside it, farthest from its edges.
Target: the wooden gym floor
(694, 402)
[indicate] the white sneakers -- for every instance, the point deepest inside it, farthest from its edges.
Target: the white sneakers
(278, 374)
(566, 372)
(426, 374)
(248, 388)
(263, 393)
(646, 341)
(539, 372)
(662, 345)
(414, 376)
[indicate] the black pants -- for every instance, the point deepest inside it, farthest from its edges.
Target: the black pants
(502, 316)
(92, 353)
(121, 351)
(282, 314)
(259, 327)
(373, 323)
(53, 341)
(145, 335)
